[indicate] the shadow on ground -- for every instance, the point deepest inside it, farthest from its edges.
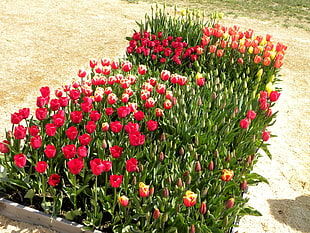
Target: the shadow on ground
(294, 213)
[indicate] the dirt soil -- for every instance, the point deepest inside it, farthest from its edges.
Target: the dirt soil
(45, 42)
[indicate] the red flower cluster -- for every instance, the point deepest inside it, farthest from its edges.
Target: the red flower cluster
(162, 49)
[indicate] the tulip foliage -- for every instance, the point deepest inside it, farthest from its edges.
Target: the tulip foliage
(163, 141)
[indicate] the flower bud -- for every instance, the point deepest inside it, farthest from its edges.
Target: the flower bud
(140, 168)
(192, 229)
(203, 208)
(163, 137)
(199, 101)
(249, 159)
(227, 159)
(186, 173)
(230, 203)
(156, 214)
(259, 73)
(165, 217)
(189, 180)
(104, 144)
(214, 95)
(166, 192)
(243, 185)
(151, 192)
(179, 182)
(211, 166)
(181, 151)
(197, 166)
(123, 200)
(161, 156)
(134, 181)
(216, 153)
(196, 156)
(204, 192)
(169, 180)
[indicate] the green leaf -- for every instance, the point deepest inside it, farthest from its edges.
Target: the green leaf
(71, 215)
(250, 211)
(30, 194)
(172, 230)
(254, 178)
(46, 206)
(215, 230)
(19, 183)
(264, 147)
(81, 189)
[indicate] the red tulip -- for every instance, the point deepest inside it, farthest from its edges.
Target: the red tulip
(132, 165)
(50, 151)
(116, 180)
(54, 180)
(75, 165)
(20, 160)
(116, 151)
(41, 166)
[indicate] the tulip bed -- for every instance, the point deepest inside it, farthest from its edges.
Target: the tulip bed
(162, 141)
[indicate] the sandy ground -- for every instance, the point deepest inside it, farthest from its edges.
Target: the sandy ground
(45, 42)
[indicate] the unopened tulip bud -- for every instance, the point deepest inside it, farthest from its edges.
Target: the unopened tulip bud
(243, 185)
(199, 101)
(249, 159)
(190, 147)
(174, 101)
(211, 166)
(197, 166)
(104, 144)
(227, 159)
(259, 73)
(161, 156)
(192, 229)
(230, 203)
(203, 208)
(140, 168)
(156, 214)
(165, 217)
(216, 153)
(186, 173)
(169, 180)
(268, 112)
(179, 182)
(163, 137)
(134, 181)
(181, 151)
(196, 140)
(166, 192)
(123, 200)
(214, 95)
(196, 156)
(204, 192)
(176, 120)
(189, 180)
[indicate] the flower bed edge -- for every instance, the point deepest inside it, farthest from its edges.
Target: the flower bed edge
(26, 214)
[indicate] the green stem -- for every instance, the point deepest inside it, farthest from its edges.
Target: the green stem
(96, 195)
(75, 193)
